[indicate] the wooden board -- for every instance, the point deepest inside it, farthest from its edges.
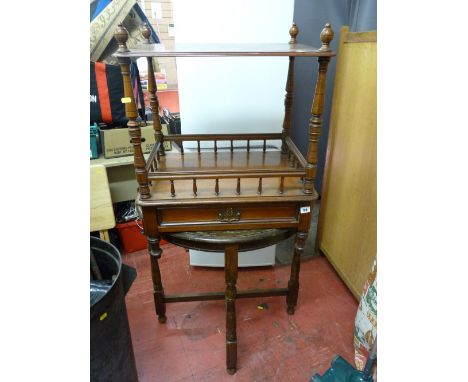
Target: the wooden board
(114, 162)
(238, 160)
(225, 50)
(347, 223)
(102, 212)
(161, 191)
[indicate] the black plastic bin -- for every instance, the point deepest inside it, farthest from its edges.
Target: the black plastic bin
(112, 358)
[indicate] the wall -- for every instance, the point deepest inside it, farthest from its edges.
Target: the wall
(232, 94)
(160, 24)
(311, 16)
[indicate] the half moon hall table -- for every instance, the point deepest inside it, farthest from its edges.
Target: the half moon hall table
(229, 193)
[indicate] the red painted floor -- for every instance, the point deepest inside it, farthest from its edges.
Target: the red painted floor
(272, 346)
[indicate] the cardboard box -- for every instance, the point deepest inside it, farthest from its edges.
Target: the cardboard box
(116, 142)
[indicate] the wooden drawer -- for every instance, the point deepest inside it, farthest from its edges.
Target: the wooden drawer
(229, 215)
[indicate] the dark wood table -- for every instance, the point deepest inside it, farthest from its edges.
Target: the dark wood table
(230, 197)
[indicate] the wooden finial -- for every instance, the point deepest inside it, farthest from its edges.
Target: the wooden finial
(121, 35)
(293, 32)
(326, 36)
(146, 32)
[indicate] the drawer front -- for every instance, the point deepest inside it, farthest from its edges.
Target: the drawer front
(228, 215)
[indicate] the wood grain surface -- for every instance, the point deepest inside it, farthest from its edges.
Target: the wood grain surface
(347, 223)
(102, 212)
(224, 50)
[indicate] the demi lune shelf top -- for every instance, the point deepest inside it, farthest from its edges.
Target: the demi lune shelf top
(224, 50)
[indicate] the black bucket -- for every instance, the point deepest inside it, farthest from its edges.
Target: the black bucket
(112, 358)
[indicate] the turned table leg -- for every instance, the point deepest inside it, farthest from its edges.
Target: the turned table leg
(158, 291)
(293, 284)
(230, 269)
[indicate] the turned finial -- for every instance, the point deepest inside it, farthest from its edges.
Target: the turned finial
(121, 35)
(326, 36)
(293, 32)
(146, 32)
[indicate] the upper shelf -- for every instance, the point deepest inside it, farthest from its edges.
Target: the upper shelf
(290, 49)
(225, 50)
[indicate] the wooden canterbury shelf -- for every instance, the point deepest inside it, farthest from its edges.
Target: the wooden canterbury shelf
(217, 172)
(230, 183)
(182, 167)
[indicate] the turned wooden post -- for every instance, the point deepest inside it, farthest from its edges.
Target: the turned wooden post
(315, 122)
(121, 35)
(158, 290)
(288, 99)
(230, 270)
(152, 89)
(151, 231)
(301, 237)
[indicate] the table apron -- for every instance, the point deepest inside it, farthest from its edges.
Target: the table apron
(227, 217)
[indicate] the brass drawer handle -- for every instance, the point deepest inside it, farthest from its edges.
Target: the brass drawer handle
(229, 215)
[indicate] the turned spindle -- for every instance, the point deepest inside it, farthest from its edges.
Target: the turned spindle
(288, 98)
(315, 122)
(172, 188)
(238, 189)
(217, 187)
(121, 35)
(155, 252)
(195, 187)
(152, 90)
(146, 32)
(259, 190)
(230, 271)
(292, 160)
(293, 283)
(281, 190)
(293, 32)
(326, 36)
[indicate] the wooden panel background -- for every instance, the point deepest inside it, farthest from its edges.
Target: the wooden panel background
(348, 223)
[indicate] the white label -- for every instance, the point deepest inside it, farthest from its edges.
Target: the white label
(305, 210)
(171, 30)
